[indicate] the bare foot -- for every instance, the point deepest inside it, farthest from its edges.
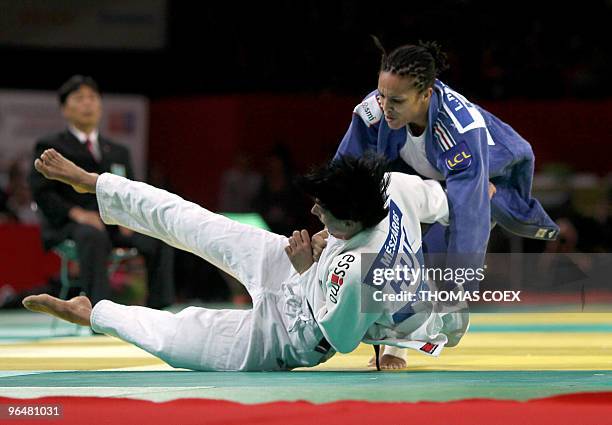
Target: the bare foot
(54, 166)
(388, 362)
(77, 310)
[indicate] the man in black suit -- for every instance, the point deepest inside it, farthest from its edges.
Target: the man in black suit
(70, 215)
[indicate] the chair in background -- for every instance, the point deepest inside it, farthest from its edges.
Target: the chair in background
(68, 253)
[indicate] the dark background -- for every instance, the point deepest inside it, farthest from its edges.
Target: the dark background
(276, 82)
(498, 50)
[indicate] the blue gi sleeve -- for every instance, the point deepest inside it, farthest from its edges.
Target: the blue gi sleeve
(358, 139)
(362, 134)
(467, 182)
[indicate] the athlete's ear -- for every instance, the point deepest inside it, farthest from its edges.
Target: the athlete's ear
(427, 93)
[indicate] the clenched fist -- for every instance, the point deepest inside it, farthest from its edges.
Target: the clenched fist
(319, 242)
(299, 251)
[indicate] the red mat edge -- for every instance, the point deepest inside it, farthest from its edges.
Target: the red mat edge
(575, 408)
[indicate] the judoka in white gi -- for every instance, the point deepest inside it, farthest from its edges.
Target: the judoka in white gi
(303, 311)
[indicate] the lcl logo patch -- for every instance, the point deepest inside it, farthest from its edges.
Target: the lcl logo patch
(458, 157)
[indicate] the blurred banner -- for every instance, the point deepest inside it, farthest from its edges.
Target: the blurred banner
(25, 116)
(102, 24)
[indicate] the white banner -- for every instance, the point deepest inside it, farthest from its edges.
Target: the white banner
(26, 116)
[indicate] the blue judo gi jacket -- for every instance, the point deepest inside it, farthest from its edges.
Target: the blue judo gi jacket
(469, 147)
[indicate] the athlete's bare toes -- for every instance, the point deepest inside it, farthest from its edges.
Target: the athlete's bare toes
(54, 166)
(77, 310)
(40, 166)
(45, 165)
(388, 362)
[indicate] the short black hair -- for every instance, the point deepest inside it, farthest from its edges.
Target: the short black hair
(73, 84)
(351, 188)
(423, 62)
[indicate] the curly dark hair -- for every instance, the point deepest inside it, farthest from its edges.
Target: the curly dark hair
(351, 188)
(423, 62)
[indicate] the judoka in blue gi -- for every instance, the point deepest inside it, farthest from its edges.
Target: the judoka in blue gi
(426, 127)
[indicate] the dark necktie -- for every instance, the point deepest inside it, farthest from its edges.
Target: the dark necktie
(91, 148)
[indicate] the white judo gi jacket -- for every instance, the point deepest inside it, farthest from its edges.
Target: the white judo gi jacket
(296, 320)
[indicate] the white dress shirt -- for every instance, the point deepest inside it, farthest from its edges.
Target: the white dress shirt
(93, 137)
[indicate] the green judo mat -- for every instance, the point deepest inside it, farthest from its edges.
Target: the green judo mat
(314, 386)
(504, 356)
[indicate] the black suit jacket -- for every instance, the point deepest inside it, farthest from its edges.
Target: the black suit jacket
(55, 199)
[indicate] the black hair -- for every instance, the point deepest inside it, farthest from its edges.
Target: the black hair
(73, 84)
(350, 188)
(423, 62)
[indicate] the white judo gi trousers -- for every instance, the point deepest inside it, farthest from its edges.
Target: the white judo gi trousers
(278, 333)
